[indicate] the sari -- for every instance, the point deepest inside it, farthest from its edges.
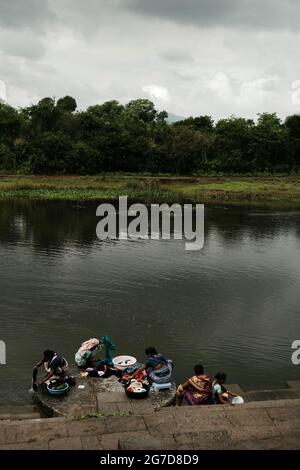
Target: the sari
(199, 391)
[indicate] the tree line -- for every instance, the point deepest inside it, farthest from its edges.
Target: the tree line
(53, 137)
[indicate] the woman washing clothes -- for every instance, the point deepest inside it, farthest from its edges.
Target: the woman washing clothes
(86, 358)
(56, 367)
(86, 354)
(157, 367)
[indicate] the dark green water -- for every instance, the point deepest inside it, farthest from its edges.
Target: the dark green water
(234, 306)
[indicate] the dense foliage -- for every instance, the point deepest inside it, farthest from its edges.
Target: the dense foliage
(51, 137)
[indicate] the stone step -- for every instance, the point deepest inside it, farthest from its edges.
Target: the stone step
(265, 395)
(18, 409)
(250, 438)
(235, 388)
(295, 384)
(146, 442)
(257, 425)
(19, 416)
(142, 408)
(17, 412)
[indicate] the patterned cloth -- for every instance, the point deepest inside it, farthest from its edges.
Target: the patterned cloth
(87, 345)
(199, 391)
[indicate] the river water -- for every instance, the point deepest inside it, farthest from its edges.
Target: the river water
(233, 306)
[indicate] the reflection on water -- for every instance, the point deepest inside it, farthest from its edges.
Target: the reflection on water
(233, 305)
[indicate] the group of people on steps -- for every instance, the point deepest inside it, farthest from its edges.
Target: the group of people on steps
(200, 389)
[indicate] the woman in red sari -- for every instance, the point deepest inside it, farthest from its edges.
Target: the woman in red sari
(197, 390)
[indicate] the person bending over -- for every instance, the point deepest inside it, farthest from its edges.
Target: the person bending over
(157, 367)
(55, 365)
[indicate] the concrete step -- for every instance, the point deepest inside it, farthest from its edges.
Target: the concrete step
(17, 409)
(258, 425)
(295, 384)
(17, 413)
(289, 402)
(265, 395)
(19, 416)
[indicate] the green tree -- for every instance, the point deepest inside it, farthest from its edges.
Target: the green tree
(185, 150)
(10, 124)
(142, 109)
(203, 123)
(53, 137)
(51, 154)
(231, 152)
(42, 116)
(270, 144)
(292, 124)
(67, 104)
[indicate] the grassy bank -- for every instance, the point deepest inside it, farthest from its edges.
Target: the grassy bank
(153, 189)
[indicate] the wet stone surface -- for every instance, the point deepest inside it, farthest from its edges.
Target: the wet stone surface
(100, 397)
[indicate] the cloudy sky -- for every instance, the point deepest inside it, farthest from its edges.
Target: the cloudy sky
(191, 57)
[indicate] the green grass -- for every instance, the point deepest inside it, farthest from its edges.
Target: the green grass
(152, 188)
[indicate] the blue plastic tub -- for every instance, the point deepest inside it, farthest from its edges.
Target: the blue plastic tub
(52, 391)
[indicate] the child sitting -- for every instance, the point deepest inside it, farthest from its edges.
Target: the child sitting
(219, 392)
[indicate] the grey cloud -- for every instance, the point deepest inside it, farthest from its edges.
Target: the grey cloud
(256, 14)
(26, 85)
(177, 56)
(186, 76)
(90, 15)
(97, 50)
(86, 16)
(26, 14)
(21, 44)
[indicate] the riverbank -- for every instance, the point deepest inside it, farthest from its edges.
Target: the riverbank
(99, 397)
(259, 425)
(254, 190)
(268, 420)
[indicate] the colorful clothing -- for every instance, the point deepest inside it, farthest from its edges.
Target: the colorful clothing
(108, 347)
(199, 391)
(58, 365)
(85, 352)
(216, 390)
(159, 369)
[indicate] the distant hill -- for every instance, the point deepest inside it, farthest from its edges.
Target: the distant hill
(174, 118)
